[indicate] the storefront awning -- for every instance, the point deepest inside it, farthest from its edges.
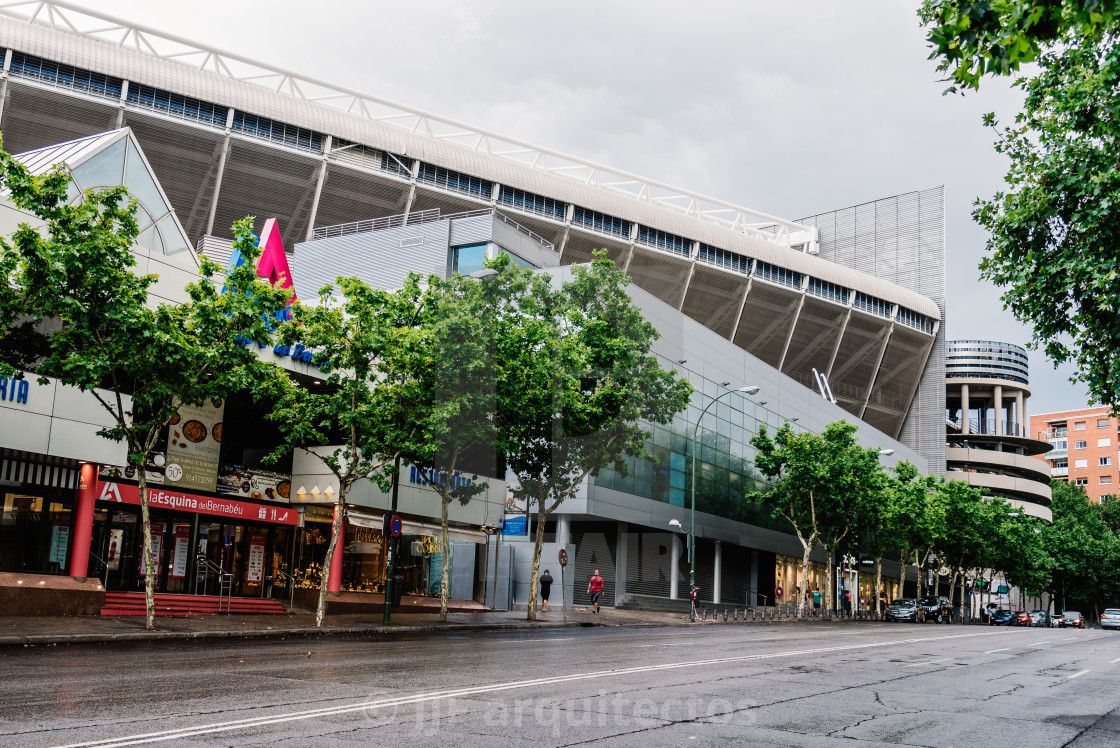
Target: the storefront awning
(418, 527)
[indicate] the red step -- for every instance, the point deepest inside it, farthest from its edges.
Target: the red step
(133, 604)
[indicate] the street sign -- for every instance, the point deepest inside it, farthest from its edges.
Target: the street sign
(1003, 589)
(778, 592)
(563, 558)
(517, 524)
(396, 526)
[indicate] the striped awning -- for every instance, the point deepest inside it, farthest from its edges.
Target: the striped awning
(56, 476)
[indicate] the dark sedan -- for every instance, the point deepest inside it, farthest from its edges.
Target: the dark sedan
(937, 609)
(905, 609)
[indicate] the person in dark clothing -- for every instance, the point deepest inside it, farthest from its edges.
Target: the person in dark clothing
(546, 587)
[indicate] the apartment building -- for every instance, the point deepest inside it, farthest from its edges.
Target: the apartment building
(1085, 448)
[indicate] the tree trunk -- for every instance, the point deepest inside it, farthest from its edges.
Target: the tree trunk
(149, 556)
(878, 584)
(444, 580)
(902, 574)
(937, 584)
(332, 548)
(535, 569)
(830, 596)
(804, 578)
(953, 593)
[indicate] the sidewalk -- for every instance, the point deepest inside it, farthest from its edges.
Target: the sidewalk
(48, 631)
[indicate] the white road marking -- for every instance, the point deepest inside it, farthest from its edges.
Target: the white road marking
(1116, 660)
(993, 651)
(1069, 638)
(1037, 644)
(261, 721)
(927, 662)
(674, 644)
(1076, 675)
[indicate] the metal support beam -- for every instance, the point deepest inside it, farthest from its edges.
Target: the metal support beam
(687, 283)
(218, 178)
(878, 363)
(318, 189)
(792, 327)
(742, 305)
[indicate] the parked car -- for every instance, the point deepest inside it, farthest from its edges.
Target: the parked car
(1110, 618)
(1042, 618)
(905, 609)
(1022, 618)
(937, 609)
(1072, 619)
(1002, 617)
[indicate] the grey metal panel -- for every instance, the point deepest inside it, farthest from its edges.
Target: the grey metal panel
(901, 239)
(462, 569)
(473, 230)
(376, 257)
(521, 244)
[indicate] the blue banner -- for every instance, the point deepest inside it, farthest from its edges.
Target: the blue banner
(516, 525)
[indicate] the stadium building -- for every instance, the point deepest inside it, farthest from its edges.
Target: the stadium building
(833, 315)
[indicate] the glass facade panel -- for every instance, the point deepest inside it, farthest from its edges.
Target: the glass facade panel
(104, 169)
(470, 258)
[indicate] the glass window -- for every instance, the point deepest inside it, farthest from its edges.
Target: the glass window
(1082, 481)
(1104, 461)
(141, 185)
(1079, 444)
(173, 239)
(1106, 480)
(1079, 426)
(469, 258)
(520, 262)
(1106, 442)
(1081, 463)
(104, 169)
(1104, 423)
(34, 532)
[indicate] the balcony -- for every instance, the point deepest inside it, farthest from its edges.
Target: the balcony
(1059, 472)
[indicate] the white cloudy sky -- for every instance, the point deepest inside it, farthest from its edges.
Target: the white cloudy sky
(791, 108)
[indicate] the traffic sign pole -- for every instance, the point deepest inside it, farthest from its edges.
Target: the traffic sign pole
(563, 559)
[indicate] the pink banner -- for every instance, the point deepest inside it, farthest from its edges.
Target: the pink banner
(162, 498)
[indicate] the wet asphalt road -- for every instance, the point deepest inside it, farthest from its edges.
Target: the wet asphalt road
(782, 685)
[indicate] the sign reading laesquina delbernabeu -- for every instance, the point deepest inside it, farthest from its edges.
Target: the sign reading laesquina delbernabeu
(161, 498)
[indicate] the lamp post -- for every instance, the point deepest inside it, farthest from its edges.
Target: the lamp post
(485, 275)
(751, 390)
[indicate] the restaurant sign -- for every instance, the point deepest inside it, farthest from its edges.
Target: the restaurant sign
(161, 498)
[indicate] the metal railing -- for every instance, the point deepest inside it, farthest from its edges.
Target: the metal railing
(105, 564)
(421, 217)
(225, 580)
(291, 587)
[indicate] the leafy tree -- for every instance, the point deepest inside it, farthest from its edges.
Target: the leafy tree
(917, 516)
(33, 262)
(963, 540)
(456, 404)
(1054, 245)
(354, 422)
(974, 38)
(580, 384)
(1083, 548)
(818, 480)
(150, 359)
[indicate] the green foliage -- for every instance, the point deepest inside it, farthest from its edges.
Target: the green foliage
(577, 382)
(1054, 241)
(1083, 546)
(974, 38)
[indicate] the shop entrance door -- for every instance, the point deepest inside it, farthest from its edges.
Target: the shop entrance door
(118, 545)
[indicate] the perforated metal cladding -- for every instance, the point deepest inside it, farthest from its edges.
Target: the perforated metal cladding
(351, 192)
(897, 378)
(185, 160)
(662, 276)
(474, 230)
(649, 558)
(34, 117)
(901, 239)
(735, 574)
(713, 299)
(705, 569)
(854, 368)
(766, 321)
(581, 244)
(814, 338)
(266, 182)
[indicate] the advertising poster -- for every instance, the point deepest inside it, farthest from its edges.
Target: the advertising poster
(116, 545)
(194, 443)
(182, 546)
(253, 483)
(60, 541)
(157, 549)
(256, 559)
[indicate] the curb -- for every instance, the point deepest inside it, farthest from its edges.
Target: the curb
(147, 636)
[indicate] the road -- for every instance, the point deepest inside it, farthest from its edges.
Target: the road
(777, 685)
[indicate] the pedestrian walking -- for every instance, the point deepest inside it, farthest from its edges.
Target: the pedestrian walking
(546, 587)
(816, 600)
(882, 604)
(595, 589)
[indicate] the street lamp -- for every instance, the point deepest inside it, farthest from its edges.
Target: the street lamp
(485, 275)
(750, 390)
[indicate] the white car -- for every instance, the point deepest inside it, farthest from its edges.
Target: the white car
(1110, 618)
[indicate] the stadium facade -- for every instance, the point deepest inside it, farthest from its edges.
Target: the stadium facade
(848, 303)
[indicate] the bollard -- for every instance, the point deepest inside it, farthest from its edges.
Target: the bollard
(725, 615)
(704, 617)
(752, 613)
(771, 614)
(736, 614)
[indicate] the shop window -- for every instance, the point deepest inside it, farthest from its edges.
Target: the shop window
(35, 532)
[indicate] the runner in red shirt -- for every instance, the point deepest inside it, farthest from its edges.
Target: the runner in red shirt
(595, 589)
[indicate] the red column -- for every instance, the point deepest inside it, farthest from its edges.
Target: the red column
(83, 521)
(334, 580)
